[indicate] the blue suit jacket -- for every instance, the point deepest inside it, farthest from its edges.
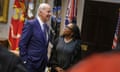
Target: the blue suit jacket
(33, 45)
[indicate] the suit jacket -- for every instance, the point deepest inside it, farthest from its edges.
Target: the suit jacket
(33, 45)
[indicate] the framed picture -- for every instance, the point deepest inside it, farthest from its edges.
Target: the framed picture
(4, 10)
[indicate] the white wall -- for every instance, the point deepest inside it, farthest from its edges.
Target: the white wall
(4, 28)
(80, 12)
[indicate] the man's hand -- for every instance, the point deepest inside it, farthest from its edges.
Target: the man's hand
(58, 69)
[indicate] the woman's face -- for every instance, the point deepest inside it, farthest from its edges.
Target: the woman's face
(68, 29)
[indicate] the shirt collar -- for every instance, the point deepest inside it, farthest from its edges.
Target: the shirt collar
(40, 22)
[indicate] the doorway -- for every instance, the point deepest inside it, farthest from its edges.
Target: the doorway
(98, 26)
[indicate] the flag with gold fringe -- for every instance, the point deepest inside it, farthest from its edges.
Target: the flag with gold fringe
(17, 22)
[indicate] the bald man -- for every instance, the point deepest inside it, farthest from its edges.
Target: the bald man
(34, 40)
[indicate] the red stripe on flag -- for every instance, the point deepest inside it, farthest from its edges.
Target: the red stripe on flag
(71, 11)
(16, 25)
(117, 31)
(115, 40)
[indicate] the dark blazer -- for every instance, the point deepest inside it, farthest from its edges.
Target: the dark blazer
(33, 45)
(65, 55)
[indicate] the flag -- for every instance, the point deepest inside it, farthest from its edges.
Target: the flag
(117, 31)
(17, 21)
(71, 12)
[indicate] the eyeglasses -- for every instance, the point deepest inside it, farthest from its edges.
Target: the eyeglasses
(69, 27)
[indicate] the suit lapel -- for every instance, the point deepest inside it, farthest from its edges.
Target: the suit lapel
(40, 29)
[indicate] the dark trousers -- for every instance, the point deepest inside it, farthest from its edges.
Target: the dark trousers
(33, 68)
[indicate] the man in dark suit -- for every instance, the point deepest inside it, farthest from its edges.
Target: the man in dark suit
(34, 40)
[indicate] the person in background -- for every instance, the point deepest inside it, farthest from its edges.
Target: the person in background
(66, 51)
(34, 40)
(9, 62)
(100, 62)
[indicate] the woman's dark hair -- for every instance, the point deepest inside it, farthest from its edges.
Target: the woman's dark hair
(76, 32)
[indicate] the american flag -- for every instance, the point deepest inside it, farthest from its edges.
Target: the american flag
(71, 11)
(117, 33)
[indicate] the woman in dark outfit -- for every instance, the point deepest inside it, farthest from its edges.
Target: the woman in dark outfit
(66, 50)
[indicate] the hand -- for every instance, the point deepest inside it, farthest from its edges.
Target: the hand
(58, 69)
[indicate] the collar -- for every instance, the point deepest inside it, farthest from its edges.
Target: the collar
(40, 22)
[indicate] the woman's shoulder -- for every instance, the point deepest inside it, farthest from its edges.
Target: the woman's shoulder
(78, 41)
(59, 38)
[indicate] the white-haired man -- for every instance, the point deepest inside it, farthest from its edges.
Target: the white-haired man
(34, 40)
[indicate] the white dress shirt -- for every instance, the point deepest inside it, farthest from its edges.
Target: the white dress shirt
(41, 24)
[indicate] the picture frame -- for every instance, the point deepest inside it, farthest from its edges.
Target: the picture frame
(4, 11)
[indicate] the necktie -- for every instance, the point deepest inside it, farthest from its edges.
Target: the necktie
(45, 31)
